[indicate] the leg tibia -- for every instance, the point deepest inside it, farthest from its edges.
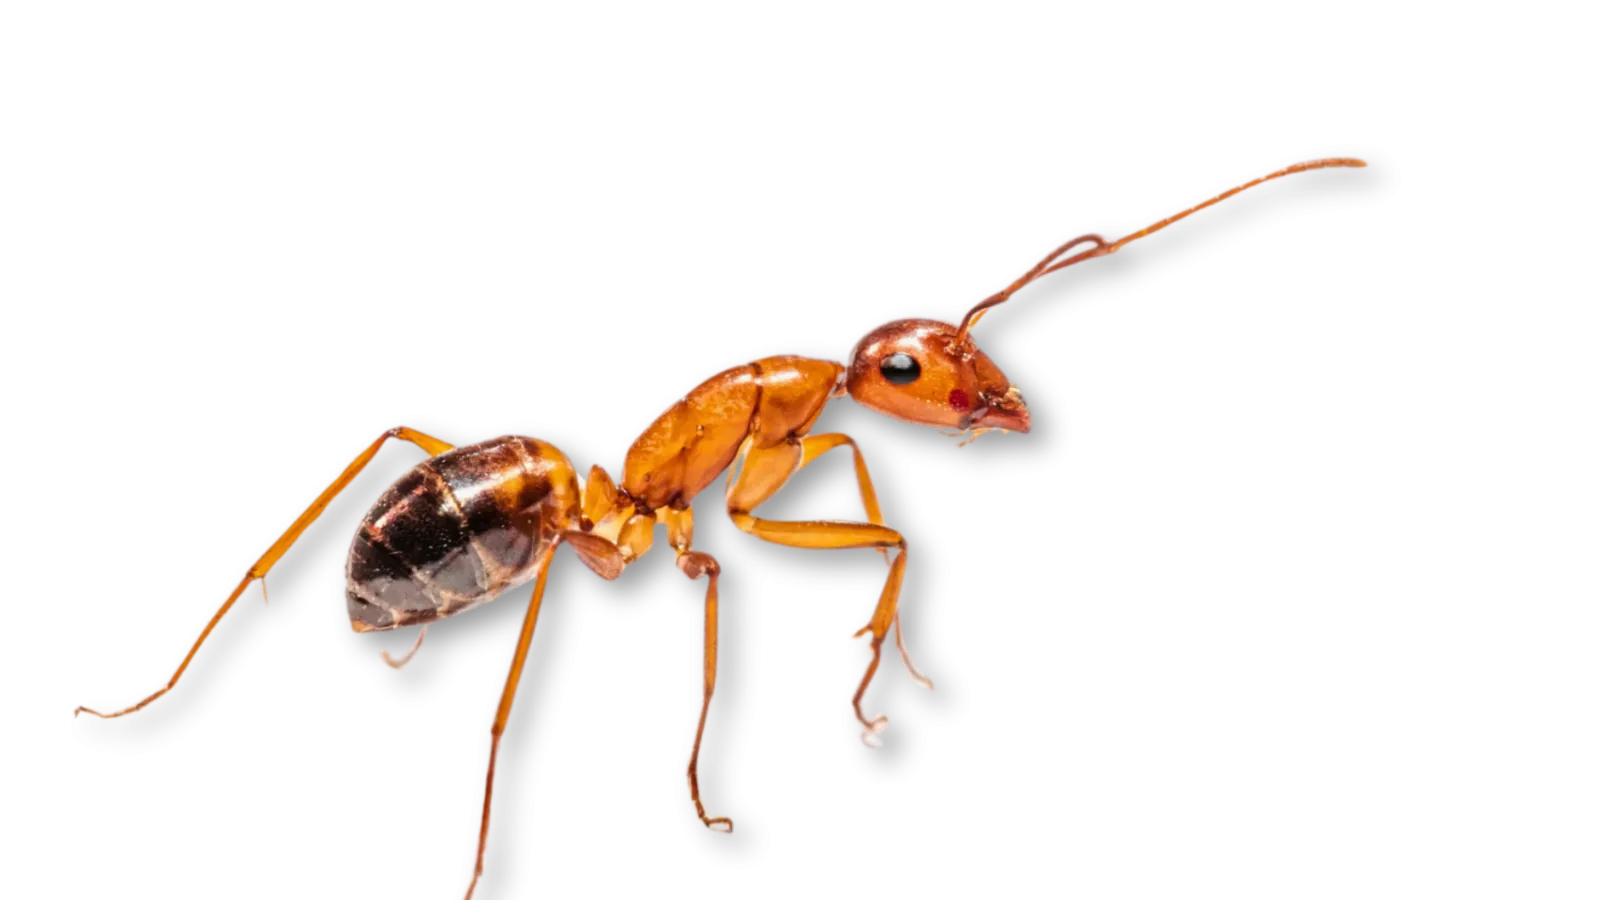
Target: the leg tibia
(507, 696)
(694, 564)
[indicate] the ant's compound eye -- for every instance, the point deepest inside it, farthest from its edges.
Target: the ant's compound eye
(900, 368)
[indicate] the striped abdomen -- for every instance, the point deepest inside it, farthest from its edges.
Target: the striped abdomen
(457, 530)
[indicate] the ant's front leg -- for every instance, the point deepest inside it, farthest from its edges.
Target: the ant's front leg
(763, 473)
(818, 444)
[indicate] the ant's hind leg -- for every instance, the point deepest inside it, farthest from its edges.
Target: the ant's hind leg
(598, 554)
(508, 695)
(680, 532)
(434, 446)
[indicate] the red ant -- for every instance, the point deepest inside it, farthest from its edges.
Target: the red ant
(470, 522)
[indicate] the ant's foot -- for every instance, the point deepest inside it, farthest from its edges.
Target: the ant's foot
(871, 732)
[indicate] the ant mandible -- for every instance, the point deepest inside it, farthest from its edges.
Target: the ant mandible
(469, 523)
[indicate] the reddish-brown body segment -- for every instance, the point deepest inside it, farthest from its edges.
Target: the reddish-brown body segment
(696, 440)
(467, 524)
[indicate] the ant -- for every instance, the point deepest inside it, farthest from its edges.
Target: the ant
(469, 523)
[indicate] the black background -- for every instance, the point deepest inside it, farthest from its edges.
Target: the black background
(1152, 652)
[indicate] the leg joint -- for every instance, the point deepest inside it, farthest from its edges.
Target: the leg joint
(693, 563)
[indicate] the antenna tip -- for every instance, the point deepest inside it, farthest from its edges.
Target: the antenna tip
(1327, 162)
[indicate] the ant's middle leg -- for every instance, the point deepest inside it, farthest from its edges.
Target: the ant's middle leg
(693, 563)
(763, 473)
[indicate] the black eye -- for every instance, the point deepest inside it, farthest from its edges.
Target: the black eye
(900, 368)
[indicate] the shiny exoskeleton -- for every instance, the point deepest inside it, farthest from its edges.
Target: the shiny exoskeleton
(457, 530)
(468, 523)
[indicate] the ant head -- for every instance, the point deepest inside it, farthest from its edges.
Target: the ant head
(932, 373)
(927, 372)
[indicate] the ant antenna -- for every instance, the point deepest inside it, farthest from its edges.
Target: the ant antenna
(1093, 245)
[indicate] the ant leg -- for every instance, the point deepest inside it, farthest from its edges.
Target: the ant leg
(508, 699)
(680, 533)
(433, 446)
(596, 558)
(818, 444)
(766, 471)
(401, 662)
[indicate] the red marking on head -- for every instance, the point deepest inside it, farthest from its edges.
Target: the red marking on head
(959, 401)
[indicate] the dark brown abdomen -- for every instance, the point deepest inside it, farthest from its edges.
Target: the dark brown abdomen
(457, 530)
